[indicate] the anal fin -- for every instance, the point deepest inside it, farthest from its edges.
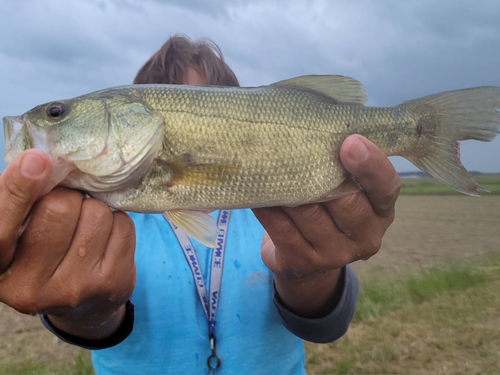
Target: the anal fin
(348, 187)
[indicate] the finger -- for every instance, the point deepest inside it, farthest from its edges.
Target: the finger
(285, 250)
(49, 233)
(351, 213)
(79, 280)
(373, 171)
(281, 228)
(317, 226)
(89, 240)
(118, 263)
(20, 185)
(121, 241)
(355, 217)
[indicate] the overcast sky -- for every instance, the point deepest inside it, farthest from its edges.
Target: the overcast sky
(399, 50)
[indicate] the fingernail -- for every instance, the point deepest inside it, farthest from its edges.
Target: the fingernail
(32, 166)
(359, 152)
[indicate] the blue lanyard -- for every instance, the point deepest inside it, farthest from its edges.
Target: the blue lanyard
(209, 302)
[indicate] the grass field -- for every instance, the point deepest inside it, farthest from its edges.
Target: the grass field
(441, 321)
(429, 302)
(430, 186)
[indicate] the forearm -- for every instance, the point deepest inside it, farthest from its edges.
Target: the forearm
(311, 297)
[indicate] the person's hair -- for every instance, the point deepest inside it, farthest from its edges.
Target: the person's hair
(170, 64)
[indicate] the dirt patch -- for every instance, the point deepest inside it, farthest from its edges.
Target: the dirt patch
(430, 231)
(25, 340)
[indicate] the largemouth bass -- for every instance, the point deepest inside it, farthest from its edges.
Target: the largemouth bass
(179, 150)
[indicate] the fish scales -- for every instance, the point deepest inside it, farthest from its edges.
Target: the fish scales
(282, 142)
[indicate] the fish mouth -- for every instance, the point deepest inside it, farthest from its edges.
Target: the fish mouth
(16, 135)
(12, 126)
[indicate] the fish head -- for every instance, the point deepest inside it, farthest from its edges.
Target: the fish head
(93, 141)
(69, 130)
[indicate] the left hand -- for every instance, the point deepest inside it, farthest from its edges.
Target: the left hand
(306, 247)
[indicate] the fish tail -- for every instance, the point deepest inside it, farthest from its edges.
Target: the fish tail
(444, 120)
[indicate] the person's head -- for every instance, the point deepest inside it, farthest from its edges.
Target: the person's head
(182, 61)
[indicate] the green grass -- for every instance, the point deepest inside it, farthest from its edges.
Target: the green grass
(430, 186)
(377, 299)
(81, 366)
(456, 333)
(438, 321)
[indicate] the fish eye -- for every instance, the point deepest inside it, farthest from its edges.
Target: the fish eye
(56, 110)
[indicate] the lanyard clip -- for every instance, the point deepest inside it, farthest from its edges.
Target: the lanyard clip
(211, 329)
(213, 362)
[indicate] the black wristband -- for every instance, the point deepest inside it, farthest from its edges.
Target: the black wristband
(330, 327)
(116, 338)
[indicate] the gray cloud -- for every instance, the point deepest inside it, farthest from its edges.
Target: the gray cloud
(213, 7)
(398, 50)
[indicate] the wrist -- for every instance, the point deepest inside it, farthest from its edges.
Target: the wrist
(313, 296)
(95, 326)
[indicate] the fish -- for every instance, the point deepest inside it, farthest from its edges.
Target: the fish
(184, 150)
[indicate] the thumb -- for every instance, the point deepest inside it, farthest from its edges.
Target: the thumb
(20, 185)
(373, 171)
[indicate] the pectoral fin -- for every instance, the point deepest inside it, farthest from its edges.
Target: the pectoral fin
(189, 170)
(198, 225)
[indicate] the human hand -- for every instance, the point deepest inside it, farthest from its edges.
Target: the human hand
(307, 246)
(75, 259)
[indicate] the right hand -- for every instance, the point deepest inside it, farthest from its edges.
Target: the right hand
(75, 259)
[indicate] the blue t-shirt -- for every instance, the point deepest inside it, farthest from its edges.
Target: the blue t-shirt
(170, 335)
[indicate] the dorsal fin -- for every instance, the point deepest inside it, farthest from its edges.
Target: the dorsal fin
(339, 88)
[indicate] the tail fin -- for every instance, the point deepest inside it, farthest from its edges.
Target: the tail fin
(458, 115)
